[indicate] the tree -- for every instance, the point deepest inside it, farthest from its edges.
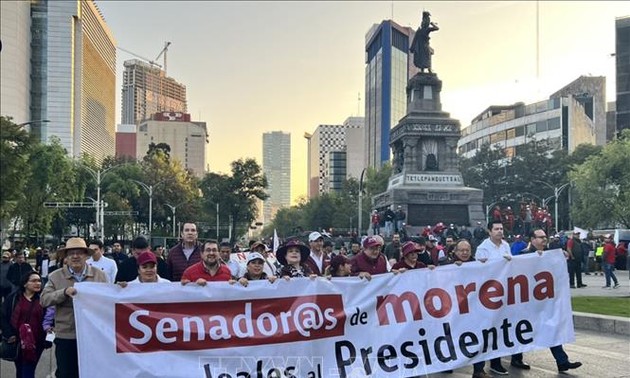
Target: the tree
(486, 171)
(15, 146)
(237, 194)
(602, 186)
(52, 179)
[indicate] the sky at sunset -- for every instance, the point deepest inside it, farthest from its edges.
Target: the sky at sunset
(254, 67)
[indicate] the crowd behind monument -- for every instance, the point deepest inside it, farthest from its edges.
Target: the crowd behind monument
(37, 300)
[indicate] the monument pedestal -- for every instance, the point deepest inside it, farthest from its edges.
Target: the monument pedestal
(426, 181)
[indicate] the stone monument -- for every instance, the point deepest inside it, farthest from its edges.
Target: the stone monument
(426, 182)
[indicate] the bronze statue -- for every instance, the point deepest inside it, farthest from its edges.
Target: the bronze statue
(420, 47)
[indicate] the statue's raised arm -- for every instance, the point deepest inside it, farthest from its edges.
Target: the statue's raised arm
(420, 47)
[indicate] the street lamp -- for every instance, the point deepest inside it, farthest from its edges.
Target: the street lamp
(149, 189)
(360, 215)
(556, 193)
(32, 122)
(100, 209)
(174, 209)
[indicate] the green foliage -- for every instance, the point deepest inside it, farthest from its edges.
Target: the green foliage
(530, 175)
(602, 184)
(336, 211)
(52, 179)
(15, 146)
(237, 194)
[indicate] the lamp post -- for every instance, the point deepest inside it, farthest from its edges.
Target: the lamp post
(173, 209)
(360, 215)
(32, 122)
(100, 209)
(556, 193)
(149, 189)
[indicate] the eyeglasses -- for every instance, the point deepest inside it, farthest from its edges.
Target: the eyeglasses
(541, 237)
(76, 253)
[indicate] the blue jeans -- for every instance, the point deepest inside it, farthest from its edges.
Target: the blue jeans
(609, 272)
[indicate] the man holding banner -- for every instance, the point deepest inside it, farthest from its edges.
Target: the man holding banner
(209, 269)
(60, 292)
(538, 244)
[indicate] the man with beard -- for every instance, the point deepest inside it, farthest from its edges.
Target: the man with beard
(184, 254)
(210, 268)
(392, 250)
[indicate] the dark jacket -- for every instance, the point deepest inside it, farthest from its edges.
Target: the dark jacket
(312, 265)
(127, 270)
(177, 262)
(16, 271)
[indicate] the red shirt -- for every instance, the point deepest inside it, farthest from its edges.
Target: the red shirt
(198, 270)
(609, 253)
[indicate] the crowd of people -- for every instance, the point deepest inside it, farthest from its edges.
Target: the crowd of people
(41, 298)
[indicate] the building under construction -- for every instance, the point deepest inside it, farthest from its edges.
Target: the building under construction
(147, 90)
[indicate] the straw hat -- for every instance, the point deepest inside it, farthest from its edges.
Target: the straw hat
(74, 243)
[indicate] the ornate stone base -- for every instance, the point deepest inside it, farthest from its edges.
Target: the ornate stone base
(428, 206)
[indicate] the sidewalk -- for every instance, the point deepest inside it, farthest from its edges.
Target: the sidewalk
(594, 286)
(604, 324)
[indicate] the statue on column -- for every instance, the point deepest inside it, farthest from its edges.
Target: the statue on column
(420, 47)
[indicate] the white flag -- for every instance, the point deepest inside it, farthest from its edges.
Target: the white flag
(276, 241)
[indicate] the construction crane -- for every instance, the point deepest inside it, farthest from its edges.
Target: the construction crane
(151, 62)
(164, 51)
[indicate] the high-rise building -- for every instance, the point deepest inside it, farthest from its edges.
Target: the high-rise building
(389, 65)
(277, 168)
(147, 90)
(15, 60)
(186, 139)
(622, 55)
(73, 76)
(330, 155)
(572, 116)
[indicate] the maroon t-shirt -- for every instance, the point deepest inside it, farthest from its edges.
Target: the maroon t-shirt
(198, 270)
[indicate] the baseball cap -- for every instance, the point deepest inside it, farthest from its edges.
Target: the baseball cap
(314, 236)
(432, 238)
(409, 247)
(371, 241)
(146, 257)
(6, 254)
(254, 256)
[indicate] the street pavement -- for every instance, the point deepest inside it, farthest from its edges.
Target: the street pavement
(594, 284)
(603, 355)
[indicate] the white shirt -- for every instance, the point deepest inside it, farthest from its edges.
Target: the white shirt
(490, 251)
(108, 266)
(319, 260)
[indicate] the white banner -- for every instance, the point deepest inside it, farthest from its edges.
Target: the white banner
(414, 323)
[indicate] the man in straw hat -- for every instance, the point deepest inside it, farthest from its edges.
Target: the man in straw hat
(59, 291)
